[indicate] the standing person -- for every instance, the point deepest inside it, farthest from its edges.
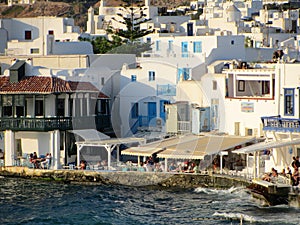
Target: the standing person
(297, 161)
(1, 154)
(295, 176)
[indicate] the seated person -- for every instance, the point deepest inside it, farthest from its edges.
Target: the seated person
(35, 160)
(46, 163)
(172, 167)
(99, 166)
(271, 177)
(82, 165)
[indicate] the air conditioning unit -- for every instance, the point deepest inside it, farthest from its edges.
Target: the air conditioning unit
(158, 122)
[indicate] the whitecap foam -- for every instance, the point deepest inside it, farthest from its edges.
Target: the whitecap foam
(220, 191)
(240, 217)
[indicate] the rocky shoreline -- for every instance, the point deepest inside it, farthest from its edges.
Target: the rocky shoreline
(132, 178)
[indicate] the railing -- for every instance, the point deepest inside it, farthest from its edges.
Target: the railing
(184, 126)
(143, 121)
(277, 123)
(55, 123)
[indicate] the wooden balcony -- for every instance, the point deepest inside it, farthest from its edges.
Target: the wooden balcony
(279, 124)
(99, 122)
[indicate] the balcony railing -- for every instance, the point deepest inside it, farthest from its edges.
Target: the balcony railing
(184, 126)
(277, 123)
(98, 122)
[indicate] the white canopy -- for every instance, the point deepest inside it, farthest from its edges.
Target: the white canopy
(203, 145)
(108, 144)
(90, 134)
(141, 151)
(266, 145)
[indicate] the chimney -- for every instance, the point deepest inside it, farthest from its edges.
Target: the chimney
(17, 71)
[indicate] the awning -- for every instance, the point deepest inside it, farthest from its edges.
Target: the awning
(108, 144)
(204, 145)
(266, 145)
(110, 141)
(141, 151)
(172, 141)
(90, 134)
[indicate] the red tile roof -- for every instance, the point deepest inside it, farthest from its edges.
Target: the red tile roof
(44, 85)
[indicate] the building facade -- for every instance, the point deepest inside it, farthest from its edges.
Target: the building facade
(39, 112)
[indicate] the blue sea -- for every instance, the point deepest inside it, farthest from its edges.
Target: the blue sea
(25, 201)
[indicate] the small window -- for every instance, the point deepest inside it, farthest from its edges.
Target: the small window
(51, 32)
(197, 47)
(249, 132)
(27, 34)
(34, 51)
(170, 45)
(151, 75)
(133, 78)
(157, 45)
(184, 49)
(134, 110)
(241, 85)
(214, 85)
(232, 42)
(148, 40)
(102, 80)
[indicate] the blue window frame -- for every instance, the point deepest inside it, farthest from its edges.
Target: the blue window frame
(184, 49)
(133, 78)
(289, 101)
(134, 110)
(184, 72)
(151, 75)
(170, 45)
(157, 45)
(197, 46)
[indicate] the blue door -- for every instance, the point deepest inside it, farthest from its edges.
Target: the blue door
(162, 111)
(151, 111)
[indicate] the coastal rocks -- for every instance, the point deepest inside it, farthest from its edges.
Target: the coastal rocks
(132, 178)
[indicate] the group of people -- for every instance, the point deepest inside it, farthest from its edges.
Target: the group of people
(101, 165)
(184, 167)
(293, 175)
(42, 162)
(272, 176)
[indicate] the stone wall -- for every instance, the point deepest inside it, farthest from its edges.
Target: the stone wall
(132, 178)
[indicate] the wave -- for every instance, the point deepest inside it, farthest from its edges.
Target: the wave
(220, 191)
(241, 217)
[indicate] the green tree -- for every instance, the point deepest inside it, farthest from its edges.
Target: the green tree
(125, 41)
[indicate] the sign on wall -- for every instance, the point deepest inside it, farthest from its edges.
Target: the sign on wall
(247, 107)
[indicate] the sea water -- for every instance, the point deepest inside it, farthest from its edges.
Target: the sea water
(25, 201)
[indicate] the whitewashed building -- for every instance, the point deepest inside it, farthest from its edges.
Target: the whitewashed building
(41, 36)
(39, 112)
(281, 129)
(159, 76)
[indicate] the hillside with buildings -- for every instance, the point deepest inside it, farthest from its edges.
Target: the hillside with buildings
(76, 10)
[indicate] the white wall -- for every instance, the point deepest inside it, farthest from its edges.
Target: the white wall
(34, 142)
